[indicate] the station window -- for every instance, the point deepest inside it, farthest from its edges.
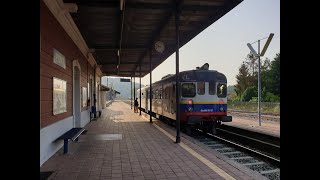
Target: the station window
(201, 87)
(188, 90)
(222, 90)
(212, 87)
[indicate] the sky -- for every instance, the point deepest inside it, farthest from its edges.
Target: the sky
(224, 43)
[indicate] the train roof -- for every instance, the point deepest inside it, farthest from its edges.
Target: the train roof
(195, 75)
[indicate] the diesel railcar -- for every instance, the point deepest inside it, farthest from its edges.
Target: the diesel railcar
(203, 99)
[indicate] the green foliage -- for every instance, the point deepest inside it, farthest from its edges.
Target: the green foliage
(266, 107)
(235, 99)
(269, 97)
(242, 79)
(275, 74)
(254, 99)
(270, 79)
(249, 93)
(252, 63)
(276, 108)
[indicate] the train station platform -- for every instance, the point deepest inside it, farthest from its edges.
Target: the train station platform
(123, 145)
(267, 127)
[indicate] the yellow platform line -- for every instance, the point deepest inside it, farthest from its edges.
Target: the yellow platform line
(212, 166)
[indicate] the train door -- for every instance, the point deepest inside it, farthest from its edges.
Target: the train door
(173, 99)
(165, 103)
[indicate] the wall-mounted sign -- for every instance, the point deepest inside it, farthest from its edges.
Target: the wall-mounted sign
(59, 58)
(59, 96)
(124, 80)
(84, 97)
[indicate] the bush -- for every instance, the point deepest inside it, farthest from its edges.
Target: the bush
(235, 99)
(254, 99)
(269, 97)
(249, 93)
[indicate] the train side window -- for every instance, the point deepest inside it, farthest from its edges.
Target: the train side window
(166, 93)
(222, 90)
(188, 90)
(201, 87)
(174, 91)
(212, 87)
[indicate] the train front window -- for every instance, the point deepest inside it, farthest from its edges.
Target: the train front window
(201, 88)
(222, 90)
(188, 90)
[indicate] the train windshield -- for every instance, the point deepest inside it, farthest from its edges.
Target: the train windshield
(222, 90)
(188, 90)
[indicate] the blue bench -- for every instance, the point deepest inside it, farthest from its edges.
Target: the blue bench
(73, 135)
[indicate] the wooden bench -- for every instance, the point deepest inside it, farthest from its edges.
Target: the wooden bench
(73, 135)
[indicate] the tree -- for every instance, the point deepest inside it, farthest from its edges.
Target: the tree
(242, 79)
(274, 74)
(265, 75)
(252, 63)
(270, 79)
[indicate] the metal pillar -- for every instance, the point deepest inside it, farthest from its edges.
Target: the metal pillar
(140, 88)
(259, 84)
(134, 87)
(177, 76)
(150, 66)
(94, 93)
(65, 146)
(131, 92)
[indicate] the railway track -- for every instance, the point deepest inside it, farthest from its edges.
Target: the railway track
(259, 153)
(254, 115)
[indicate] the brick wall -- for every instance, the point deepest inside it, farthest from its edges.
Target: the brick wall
(54, 36)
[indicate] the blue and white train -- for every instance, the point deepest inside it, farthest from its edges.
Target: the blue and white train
(203, 99)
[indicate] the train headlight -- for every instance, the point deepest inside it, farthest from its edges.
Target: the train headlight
(221, 101)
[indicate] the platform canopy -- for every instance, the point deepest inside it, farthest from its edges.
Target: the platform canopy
(122, 33)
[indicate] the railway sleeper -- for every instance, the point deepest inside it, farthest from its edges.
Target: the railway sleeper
(244, 157)
(270, 171)
(234, 152)
(215, 144)
(253, 163)
(223, 148)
